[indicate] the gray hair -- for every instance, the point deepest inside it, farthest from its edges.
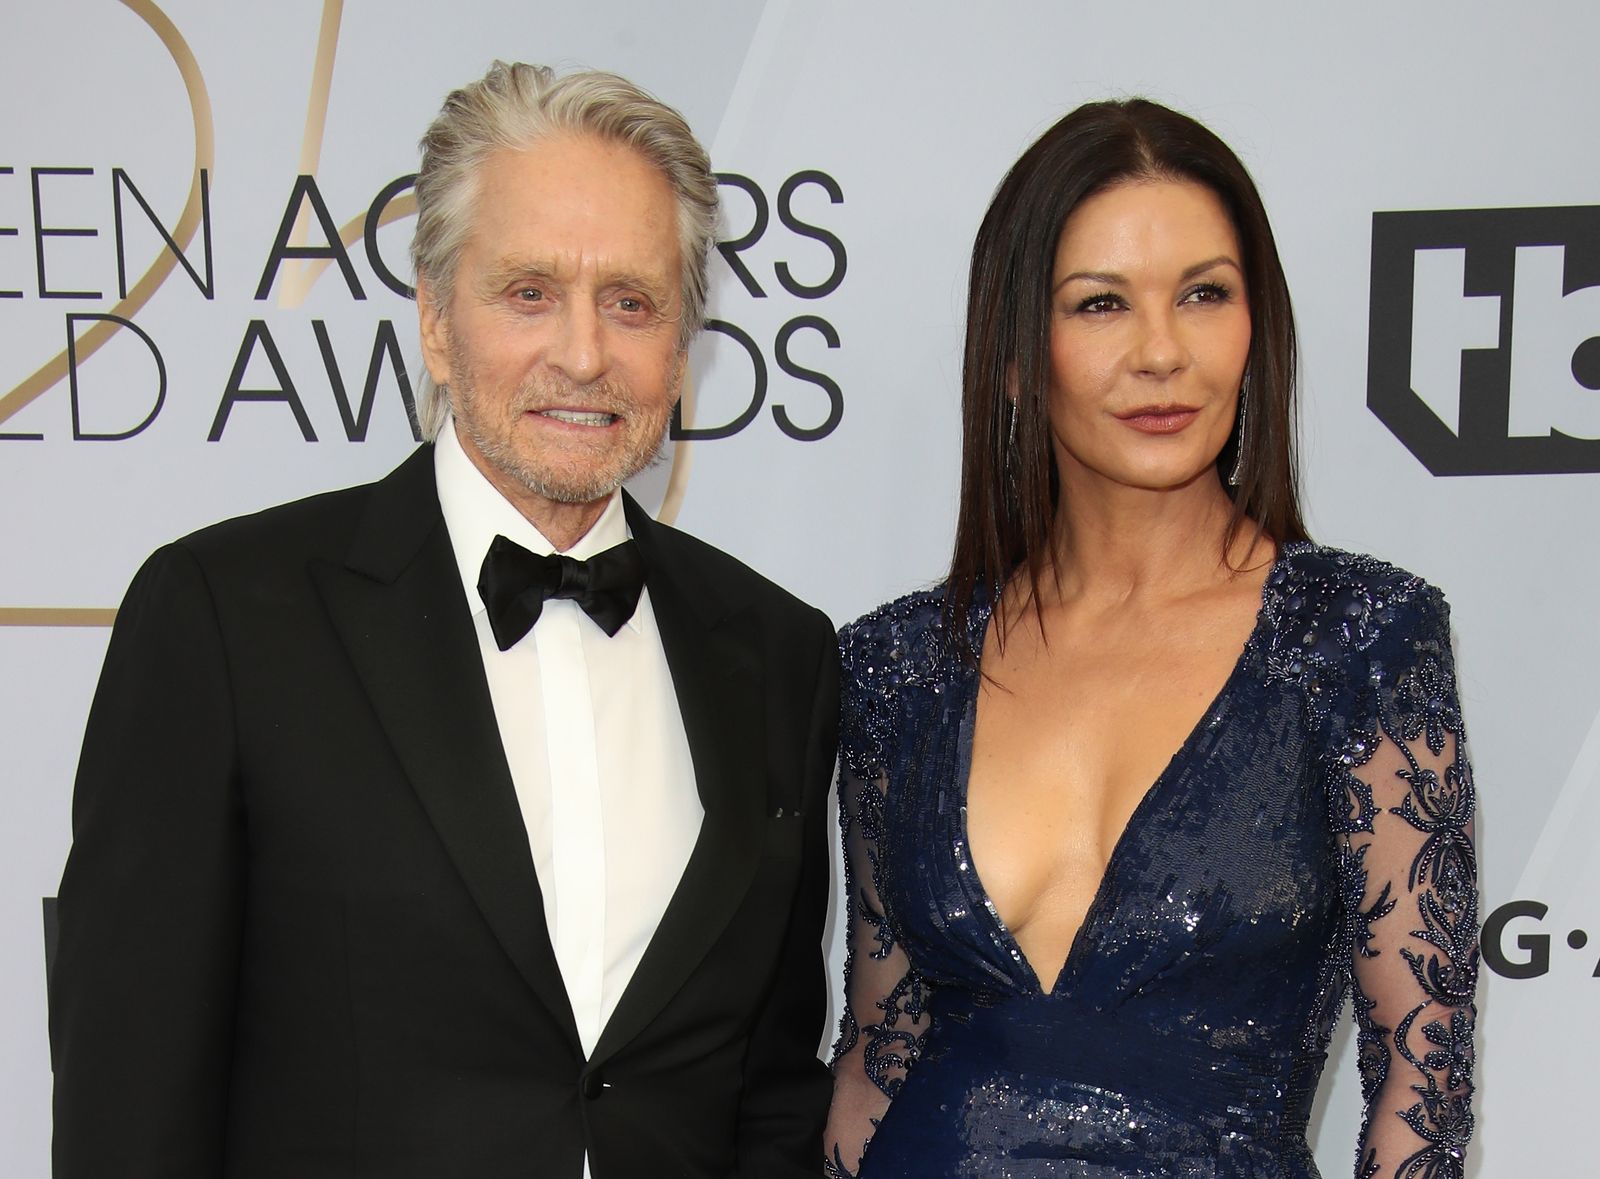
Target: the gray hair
(515, 106)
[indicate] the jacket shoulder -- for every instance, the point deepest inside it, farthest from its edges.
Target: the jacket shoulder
(295, 522)
(394, 512)
(737, 583)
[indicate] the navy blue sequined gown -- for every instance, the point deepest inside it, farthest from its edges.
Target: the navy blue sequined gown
(1311, 839)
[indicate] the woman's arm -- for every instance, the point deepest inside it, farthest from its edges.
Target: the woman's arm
(1410, 873)
(884, 1017)
(884, 1020)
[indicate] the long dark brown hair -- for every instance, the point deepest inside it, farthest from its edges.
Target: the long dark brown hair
(1009, 489)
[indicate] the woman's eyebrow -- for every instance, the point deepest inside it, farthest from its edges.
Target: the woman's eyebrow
(1112, 278)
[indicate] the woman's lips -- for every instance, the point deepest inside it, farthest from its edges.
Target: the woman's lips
(1159, 419)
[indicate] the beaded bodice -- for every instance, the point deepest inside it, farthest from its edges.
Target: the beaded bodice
(1310, 840)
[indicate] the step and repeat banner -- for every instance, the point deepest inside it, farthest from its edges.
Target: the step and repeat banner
(204, 309)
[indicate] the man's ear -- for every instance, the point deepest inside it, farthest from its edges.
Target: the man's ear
(434, 332)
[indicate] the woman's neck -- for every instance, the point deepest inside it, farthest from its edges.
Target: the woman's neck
(1117, 545)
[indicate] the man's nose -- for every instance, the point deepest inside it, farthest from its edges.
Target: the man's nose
(579, 348)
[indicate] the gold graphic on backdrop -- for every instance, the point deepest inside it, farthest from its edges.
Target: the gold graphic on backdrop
(349, 234)
(91, 341)
(51, 373)
(678, 476)
(299, 276)
(55, 616)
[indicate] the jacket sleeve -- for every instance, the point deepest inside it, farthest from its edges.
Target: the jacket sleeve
(142, 991)
(785, 1090)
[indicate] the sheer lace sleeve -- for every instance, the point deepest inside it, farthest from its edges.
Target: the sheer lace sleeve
(1410, 878)
(884, 1016)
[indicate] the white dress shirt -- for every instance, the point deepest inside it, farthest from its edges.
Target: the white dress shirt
(596, 746)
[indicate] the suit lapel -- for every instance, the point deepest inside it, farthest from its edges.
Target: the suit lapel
(398, 606)
(716, 673)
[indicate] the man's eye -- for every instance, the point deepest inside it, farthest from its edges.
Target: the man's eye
(530, 294)
(631, 305)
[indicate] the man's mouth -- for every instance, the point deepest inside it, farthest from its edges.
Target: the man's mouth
(579, 417)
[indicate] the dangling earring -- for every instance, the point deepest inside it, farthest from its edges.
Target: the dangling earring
(1011, 450)
(1238, 454)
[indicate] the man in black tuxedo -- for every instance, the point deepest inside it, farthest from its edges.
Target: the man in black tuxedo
(403, 847)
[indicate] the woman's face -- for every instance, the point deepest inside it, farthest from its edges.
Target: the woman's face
(1150, 329)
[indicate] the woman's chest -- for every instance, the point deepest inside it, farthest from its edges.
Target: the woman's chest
(1229, 852)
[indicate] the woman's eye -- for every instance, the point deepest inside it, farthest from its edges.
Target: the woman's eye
(529, 294)
(1099, 304)
(1209, 292)
(631, 305)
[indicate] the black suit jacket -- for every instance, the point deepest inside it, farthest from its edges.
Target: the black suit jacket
(301, 934)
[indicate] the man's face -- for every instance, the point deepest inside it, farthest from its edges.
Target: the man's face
(559, 344)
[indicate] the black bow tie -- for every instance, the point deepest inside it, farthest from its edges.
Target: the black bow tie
(515, 583)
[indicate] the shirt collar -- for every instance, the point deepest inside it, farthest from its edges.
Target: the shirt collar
(475, 513)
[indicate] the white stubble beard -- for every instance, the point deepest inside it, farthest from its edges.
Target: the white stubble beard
(559, 486)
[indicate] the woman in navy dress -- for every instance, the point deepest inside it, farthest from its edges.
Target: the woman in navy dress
(1136, 798)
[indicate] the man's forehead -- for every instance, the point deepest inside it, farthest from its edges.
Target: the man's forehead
(574, 205)
(570, 160)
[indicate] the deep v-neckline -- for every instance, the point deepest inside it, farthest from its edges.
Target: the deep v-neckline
(1152, 797)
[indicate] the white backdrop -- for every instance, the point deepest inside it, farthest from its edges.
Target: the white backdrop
(865, 140)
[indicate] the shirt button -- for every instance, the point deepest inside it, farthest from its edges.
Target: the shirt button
(592, 1085)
